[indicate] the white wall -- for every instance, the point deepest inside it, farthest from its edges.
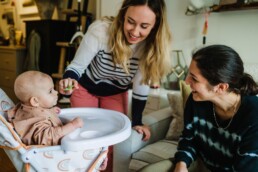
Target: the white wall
(237, 29)
(107, 7)
(183, 27)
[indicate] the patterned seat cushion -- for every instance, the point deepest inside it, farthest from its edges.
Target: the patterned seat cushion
(158, 151)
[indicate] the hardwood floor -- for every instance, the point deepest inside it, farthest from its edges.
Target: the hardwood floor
(5, 163)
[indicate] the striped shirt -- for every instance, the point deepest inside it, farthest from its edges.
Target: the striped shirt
(221, 150)
(94, 69)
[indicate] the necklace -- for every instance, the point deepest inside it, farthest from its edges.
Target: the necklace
(235, 110)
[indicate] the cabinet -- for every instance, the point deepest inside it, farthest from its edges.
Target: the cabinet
(50, 32)
(157, 99)
(11, 64)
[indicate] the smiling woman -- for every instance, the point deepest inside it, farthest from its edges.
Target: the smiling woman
(116, 53)
(137, 28)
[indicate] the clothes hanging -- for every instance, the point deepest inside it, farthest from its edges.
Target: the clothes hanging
(33, 53)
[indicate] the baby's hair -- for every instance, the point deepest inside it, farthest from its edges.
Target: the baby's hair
(27, 84)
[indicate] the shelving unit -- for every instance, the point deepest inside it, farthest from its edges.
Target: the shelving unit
(235, 7)
(51, 31)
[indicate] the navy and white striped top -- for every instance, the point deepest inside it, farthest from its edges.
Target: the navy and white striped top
(94, 69)
(221, 150)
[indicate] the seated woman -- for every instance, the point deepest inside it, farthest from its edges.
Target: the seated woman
(220, 117)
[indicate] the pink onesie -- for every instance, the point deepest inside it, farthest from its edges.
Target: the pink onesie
(36, 125)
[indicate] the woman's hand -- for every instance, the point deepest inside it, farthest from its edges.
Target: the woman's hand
(181, 167)
(144, 130)
(67, 86)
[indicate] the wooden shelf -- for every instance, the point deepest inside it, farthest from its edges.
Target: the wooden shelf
(235, 7)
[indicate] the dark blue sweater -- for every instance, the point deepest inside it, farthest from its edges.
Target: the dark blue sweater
(231, 149)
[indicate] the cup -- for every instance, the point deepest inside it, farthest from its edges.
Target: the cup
(18, 37)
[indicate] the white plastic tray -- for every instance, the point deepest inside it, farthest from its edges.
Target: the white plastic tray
(101, 128)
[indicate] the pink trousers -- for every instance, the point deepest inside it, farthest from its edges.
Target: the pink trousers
(119, 102)
(82, 98)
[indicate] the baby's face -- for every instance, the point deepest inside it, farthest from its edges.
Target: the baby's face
(47, 96)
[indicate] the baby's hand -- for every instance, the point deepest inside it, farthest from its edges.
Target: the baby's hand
(77, 122)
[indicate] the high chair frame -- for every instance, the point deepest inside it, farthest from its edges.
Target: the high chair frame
(43, 158)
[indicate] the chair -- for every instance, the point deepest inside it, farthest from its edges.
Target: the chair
(42, 158)
(61, 66)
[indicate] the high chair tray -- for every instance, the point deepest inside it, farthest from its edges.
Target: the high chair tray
(101, 128)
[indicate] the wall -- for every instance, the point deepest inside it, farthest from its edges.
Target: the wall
(107, 7)
(238, 29)
(184, 29)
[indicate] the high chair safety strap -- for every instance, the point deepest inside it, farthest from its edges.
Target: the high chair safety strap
(11, 148)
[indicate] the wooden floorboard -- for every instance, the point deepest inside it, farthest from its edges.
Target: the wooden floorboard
(5, 163)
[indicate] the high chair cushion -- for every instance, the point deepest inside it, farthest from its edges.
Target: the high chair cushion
(5, 102)
(7, 137)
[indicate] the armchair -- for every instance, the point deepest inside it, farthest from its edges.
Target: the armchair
(158, 122)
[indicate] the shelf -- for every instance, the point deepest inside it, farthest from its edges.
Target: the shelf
(235, 7)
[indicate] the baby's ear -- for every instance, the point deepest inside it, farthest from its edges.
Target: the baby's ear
(34, 101)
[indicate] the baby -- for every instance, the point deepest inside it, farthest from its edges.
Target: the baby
(35, 118)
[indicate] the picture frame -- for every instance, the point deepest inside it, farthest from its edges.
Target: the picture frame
(26, 10)
(10, 15)
(4, 1)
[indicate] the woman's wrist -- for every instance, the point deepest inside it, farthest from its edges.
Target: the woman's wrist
(181, 164)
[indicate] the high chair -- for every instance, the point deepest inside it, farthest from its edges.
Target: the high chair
(76, 154)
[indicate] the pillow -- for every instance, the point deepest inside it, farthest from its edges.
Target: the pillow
(185, 90)
(177, 103)
(177, 124)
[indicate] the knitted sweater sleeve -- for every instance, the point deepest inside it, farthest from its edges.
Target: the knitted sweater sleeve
(186, 150)
(246, 157)
(89, 47)
(139, 98)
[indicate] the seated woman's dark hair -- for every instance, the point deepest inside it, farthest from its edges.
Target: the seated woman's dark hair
(222, 64)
